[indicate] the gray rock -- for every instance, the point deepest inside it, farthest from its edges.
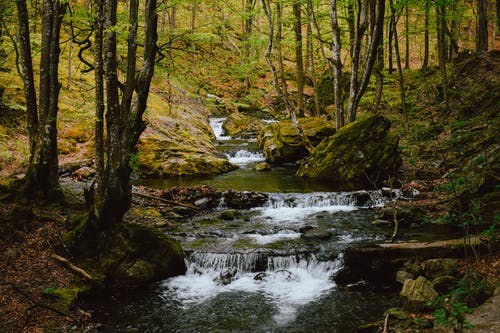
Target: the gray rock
(417, 293)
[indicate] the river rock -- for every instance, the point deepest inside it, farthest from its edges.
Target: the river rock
(361, 153)
(316, 234)
(402, 276)
(417, 293)
(263, 166)
(244, 199)
(230, 214)
(435, 268)
(281, 143)
(406, 215)
(239, 124)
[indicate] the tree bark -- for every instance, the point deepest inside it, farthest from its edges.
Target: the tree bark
(297, 27)
(124, 121)
(337, 66)
(441, 28)
(24, 40)
(399, 66)
(425, 62)
(407, 38)
(310, 56)
(482, 26)
(42, 176)
(358, 87)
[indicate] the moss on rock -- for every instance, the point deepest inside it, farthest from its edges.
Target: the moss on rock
(239, 124)
(360, 153)
(281, 143)
(126, 254)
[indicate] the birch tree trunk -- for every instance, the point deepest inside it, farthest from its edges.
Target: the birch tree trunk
(297, 27)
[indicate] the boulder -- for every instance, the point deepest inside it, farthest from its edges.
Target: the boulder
(281, 143)
(316, 234)
(417, 293)
(263, 166)
(359, 154)
(179, 142)
(239, 124)
(244, 199)
(436, 268)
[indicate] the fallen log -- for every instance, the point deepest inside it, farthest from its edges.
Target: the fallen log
(379, 263)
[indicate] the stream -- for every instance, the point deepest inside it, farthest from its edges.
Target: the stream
(268, 268)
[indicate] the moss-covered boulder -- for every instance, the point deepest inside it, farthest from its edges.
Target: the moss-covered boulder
(180, 145)
(359, 154)
(239, 124)
(126, 254)
(281, 143)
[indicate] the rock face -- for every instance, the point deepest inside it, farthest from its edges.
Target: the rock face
(281, 143)
(360, 153)
(239, 124)
(179, 141)
(417, 293)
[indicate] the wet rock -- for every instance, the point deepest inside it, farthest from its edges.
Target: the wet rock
(316, 234)
(417, 294)
(227, 276)
(435, 268)
(379, 222)
(264, 166)
(363, 198)
(305, 228)
(358, 286)
(203, 203)
(281, 143)
(83, 173)
(402, 276)
(244, 199)
(239, 124)
(230, 214)
(360, 153)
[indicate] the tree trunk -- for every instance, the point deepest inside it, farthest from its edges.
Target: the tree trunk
(407, 38)
(399, 66)
(441, 28)
(297, 27)
(453, 33)
(42, 176)
(99, 110)
(23, 38)
(279, 91)
(337, 66)
(279, 39)
(390, 64)
(425, 62)
(482, 26)
(358, 87)
(310, 56)
(124, 121)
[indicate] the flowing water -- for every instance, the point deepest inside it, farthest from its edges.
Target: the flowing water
(264, 269)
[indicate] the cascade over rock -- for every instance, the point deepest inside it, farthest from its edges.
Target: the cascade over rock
(360, 153)
(239, 124)
(180, 143)
(281, 143)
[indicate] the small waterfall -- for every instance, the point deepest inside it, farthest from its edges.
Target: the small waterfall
(216, 124)
(324, 199)
(242, 262)
(255, 262)
(244, 156)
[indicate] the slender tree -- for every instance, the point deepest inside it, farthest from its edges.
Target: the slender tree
(482, 25)
(425, 62)
(337, 66)
(297, 28)
(359, 81)
(43, 173)
(123, 118)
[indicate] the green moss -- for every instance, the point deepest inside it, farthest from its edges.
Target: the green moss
(361, 152)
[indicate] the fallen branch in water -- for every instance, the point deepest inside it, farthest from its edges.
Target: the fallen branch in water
(170, 202)
(74, 268)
